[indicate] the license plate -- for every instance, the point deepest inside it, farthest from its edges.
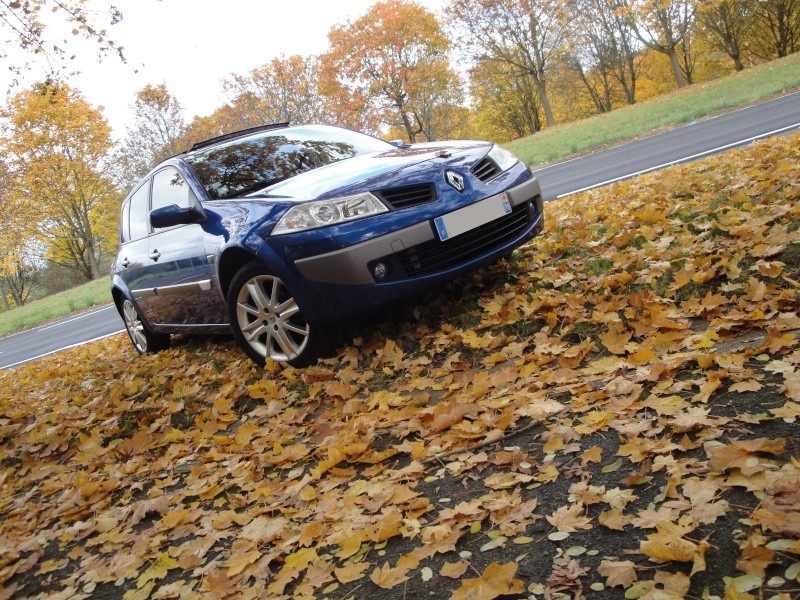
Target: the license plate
(465, 219)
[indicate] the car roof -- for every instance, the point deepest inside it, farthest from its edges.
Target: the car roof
(237, 134)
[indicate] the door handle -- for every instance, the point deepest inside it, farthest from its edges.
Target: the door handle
(155, 255)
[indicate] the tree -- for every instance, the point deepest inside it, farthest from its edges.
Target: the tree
(664, 26)
(17, 275)
(526, 35)
(391, 65)
(778, 30)
(728, 22)
(26, 23)
(55, 146)
(506, 103)
(606, 43)
(158, 133)
(284, 89)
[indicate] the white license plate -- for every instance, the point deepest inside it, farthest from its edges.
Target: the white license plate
(465, 219)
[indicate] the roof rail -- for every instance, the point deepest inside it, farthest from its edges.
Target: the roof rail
(236, 134)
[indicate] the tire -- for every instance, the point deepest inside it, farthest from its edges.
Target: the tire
(266, 319)
(142, 338)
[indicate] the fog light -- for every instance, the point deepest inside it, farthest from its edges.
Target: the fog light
(380, 271)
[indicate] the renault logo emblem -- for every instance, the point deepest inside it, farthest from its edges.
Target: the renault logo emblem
(455, 180)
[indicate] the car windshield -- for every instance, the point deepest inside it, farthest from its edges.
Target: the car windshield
(255, 162)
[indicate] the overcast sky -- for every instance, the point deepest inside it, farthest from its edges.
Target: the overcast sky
(191, 45)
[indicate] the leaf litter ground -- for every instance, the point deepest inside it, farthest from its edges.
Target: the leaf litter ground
(613, 413)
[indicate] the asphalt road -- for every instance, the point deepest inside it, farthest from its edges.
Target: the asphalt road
(684, 144)
(51, 338)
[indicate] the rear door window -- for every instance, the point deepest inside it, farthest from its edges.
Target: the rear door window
(139, 212)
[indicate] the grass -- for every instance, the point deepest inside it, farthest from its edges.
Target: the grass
(683, 106)
(57, 305)
(676, 108)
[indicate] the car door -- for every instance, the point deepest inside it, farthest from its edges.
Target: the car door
(178, 289)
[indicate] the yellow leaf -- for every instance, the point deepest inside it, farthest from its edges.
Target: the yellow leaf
(351, 572)
(387, 577)
(496, 580)
(618, 572)
(237, 564)
(569, 519)
(454, 570)
(616, 338)
(158, 570)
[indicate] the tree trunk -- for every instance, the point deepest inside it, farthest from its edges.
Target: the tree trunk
(548, 109)
(3, 300)
(676, 67)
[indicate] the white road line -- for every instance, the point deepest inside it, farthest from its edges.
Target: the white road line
(57, 323)
(683, 159)
(102, 337)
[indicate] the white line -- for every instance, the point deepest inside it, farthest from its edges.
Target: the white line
(75, 318)
(682, 159)
(678, 128)
(57, 323)
(102, 337)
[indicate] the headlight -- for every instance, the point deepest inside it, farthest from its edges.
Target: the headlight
(504, 159)
(328, 212)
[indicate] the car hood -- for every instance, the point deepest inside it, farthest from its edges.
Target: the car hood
(371, 171)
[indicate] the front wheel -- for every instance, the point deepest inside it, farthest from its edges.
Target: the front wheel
(266, 319)
(143, 339)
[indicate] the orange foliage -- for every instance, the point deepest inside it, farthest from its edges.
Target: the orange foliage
(481, 444)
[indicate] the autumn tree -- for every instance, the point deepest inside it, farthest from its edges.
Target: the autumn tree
(778, 27)
(525, 35)
(55, 145)
(665, 26)
(728, 24)
(506, 105)
(391, 66)
(17, 270)
(157, 133)
(604, 50)
(284, 89)
(31, 25)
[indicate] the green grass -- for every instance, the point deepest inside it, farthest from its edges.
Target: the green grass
(676, 108)
(683, 106)
(57, 305)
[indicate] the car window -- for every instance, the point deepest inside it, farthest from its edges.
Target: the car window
(139, 211)
(253, 163)
(124, 222)
(169, 187)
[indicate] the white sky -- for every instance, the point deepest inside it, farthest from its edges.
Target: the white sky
(191, 45)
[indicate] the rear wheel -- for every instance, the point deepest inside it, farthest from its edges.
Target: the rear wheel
(266, 319)
(143, 339)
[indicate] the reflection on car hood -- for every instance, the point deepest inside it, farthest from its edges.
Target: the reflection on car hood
(366, 170)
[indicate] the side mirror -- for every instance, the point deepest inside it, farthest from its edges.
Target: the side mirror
(169, 216)
(399, 144)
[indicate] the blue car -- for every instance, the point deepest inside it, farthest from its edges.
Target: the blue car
(281, 233)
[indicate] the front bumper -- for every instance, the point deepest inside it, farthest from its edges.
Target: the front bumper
(416, 250)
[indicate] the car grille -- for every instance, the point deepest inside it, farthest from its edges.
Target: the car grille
(486, 169)
(409, 195)
(434, 255)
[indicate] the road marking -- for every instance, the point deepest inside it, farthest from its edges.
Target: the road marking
(97, 339)
(683, 159)
(76, 318)
(57, 323)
